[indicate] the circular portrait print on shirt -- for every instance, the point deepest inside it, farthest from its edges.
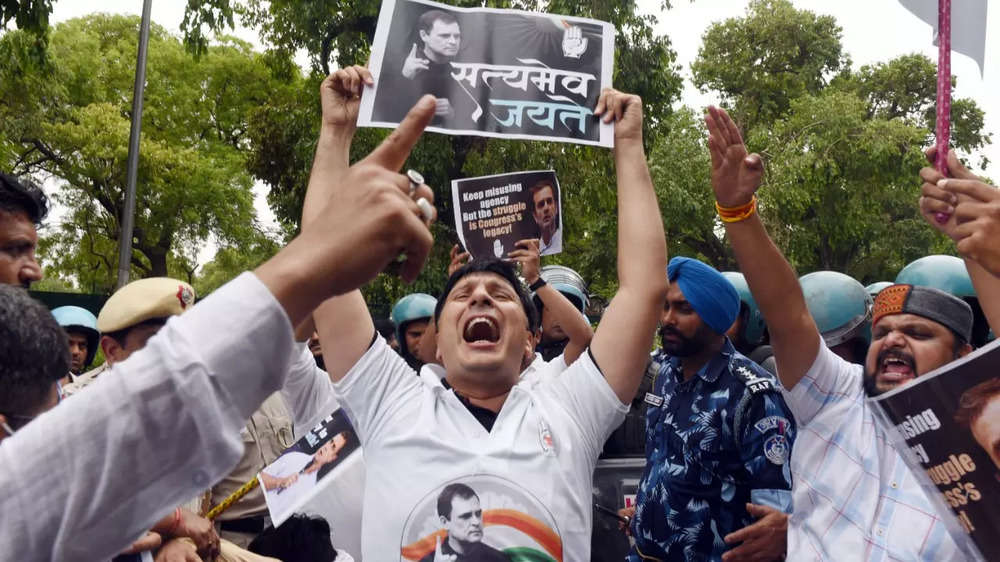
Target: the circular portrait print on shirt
(480, 518)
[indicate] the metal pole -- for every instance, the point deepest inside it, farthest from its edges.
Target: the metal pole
(128, 213)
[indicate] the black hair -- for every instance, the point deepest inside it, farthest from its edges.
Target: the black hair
(427, 19)
(300, 538)
(497, 267)
(385, 328)
(34, 353)
(23, 195)
(448, 493)
(344, 451)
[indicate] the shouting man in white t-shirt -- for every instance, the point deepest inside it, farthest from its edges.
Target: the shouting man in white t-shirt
(528, 451)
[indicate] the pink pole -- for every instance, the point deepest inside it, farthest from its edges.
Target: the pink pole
(943, 125)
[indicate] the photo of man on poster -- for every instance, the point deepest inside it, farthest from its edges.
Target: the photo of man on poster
(545, 209)
(979, 411)
(427, 67)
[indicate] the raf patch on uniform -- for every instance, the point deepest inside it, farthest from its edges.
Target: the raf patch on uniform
(754, 383)
(653, 400)
(776, 449)
(771, 422)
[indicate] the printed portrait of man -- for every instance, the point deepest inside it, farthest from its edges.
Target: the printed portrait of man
(461, 515)
(979, 410)
(427, 68)
(545, 209)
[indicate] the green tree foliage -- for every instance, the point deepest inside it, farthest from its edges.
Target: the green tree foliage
(842, 146)
(759, 63)
(74, 127)
(338, 33)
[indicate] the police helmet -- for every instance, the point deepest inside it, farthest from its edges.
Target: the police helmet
(567, 282)
(875, 288)
(840, 306)
(753, 323)
(948, 273)
(82, 320)
(416, 306)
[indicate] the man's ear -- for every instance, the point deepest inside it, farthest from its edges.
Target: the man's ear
(423, 36)
(112, 349)
(964, 350)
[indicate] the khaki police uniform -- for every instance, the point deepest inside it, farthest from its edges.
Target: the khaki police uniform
(266, 435)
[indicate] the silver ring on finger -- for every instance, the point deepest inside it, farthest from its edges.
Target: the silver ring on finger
(416, 179)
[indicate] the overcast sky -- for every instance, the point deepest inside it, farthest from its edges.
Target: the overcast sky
(873, 31)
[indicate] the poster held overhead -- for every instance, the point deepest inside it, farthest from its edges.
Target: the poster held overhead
(495, 73)
(492, 213)
(947, 425)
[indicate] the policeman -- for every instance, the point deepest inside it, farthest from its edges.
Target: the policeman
(948, 273)
(80, 326)
(568, 282)
(719, 434)
(127, 321)
(842, 310)
(411, 314)
(749, 333)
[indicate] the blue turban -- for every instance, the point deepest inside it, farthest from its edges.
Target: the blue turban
(711, 295)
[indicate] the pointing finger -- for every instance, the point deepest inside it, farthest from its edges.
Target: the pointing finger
(394, 150)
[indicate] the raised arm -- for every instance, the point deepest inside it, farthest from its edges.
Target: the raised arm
(343, 322)
(773, 283)
(973, 210)
(572, 322)
(622, 342)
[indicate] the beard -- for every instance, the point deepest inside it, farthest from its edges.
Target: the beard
(682, 346)
(870, 378)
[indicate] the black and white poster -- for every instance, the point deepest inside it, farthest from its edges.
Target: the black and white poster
(949, 420)
(296, 476)
(492, 213)
(495, 73)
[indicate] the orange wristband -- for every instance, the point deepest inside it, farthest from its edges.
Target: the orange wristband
(737, 214)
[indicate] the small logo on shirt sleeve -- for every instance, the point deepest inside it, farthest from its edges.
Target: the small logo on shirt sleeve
(545, 438)
(776, 449)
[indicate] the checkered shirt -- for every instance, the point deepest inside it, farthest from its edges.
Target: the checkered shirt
(854, 497)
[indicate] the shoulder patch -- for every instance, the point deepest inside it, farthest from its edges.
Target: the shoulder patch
(755, 383)
(772, 422)
(776, 449)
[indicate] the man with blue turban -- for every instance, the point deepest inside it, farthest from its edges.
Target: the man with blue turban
(718, 435)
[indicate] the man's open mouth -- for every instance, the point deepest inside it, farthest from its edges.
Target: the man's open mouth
(481, 329)
(897, 367)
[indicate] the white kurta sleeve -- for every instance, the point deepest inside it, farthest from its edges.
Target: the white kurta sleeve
(84, 480)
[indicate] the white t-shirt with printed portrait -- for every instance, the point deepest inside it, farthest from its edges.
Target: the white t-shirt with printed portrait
(532, 472)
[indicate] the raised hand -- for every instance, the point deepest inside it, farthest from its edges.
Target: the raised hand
(527, 254)
(414, 63)
(625, 110)
(382, 217)
(937, 206)
(340, 96)
(736, 175)
(574, 44)
(458, 259)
